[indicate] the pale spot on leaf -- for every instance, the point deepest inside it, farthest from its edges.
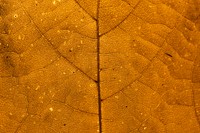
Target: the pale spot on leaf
(51, 109)
(19, 37)
(54, 2)
(116, 97)
(37, 87)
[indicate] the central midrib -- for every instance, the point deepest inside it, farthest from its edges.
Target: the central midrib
(98, 68)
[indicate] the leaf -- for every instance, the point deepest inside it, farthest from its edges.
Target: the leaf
(113, 66)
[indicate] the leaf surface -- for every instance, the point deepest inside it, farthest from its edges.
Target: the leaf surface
(86, 66)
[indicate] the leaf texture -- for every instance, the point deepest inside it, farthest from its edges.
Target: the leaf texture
(112, 66)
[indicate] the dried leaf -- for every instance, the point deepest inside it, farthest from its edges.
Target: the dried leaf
(86, 66)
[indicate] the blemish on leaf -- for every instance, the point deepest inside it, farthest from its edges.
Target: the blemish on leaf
(51, 109)
(168, 54)
(16, 16)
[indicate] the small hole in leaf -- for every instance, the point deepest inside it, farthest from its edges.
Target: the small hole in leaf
(64, 124)
(126, 106)
(15, 15)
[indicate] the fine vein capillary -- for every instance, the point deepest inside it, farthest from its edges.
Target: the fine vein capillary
(99, 66)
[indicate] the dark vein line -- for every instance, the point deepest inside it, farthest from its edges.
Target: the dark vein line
(137, 79)
(180, 13)
(117, 24)
(98, 69)
(56, 51)
(127, 2)
(79, 110)
(123, 19)
(41, 68)
(21, 123)
(63, 29)
(77, 32)
(86, 11)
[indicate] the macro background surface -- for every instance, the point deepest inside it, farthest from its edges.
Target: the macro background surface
(107, 66)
